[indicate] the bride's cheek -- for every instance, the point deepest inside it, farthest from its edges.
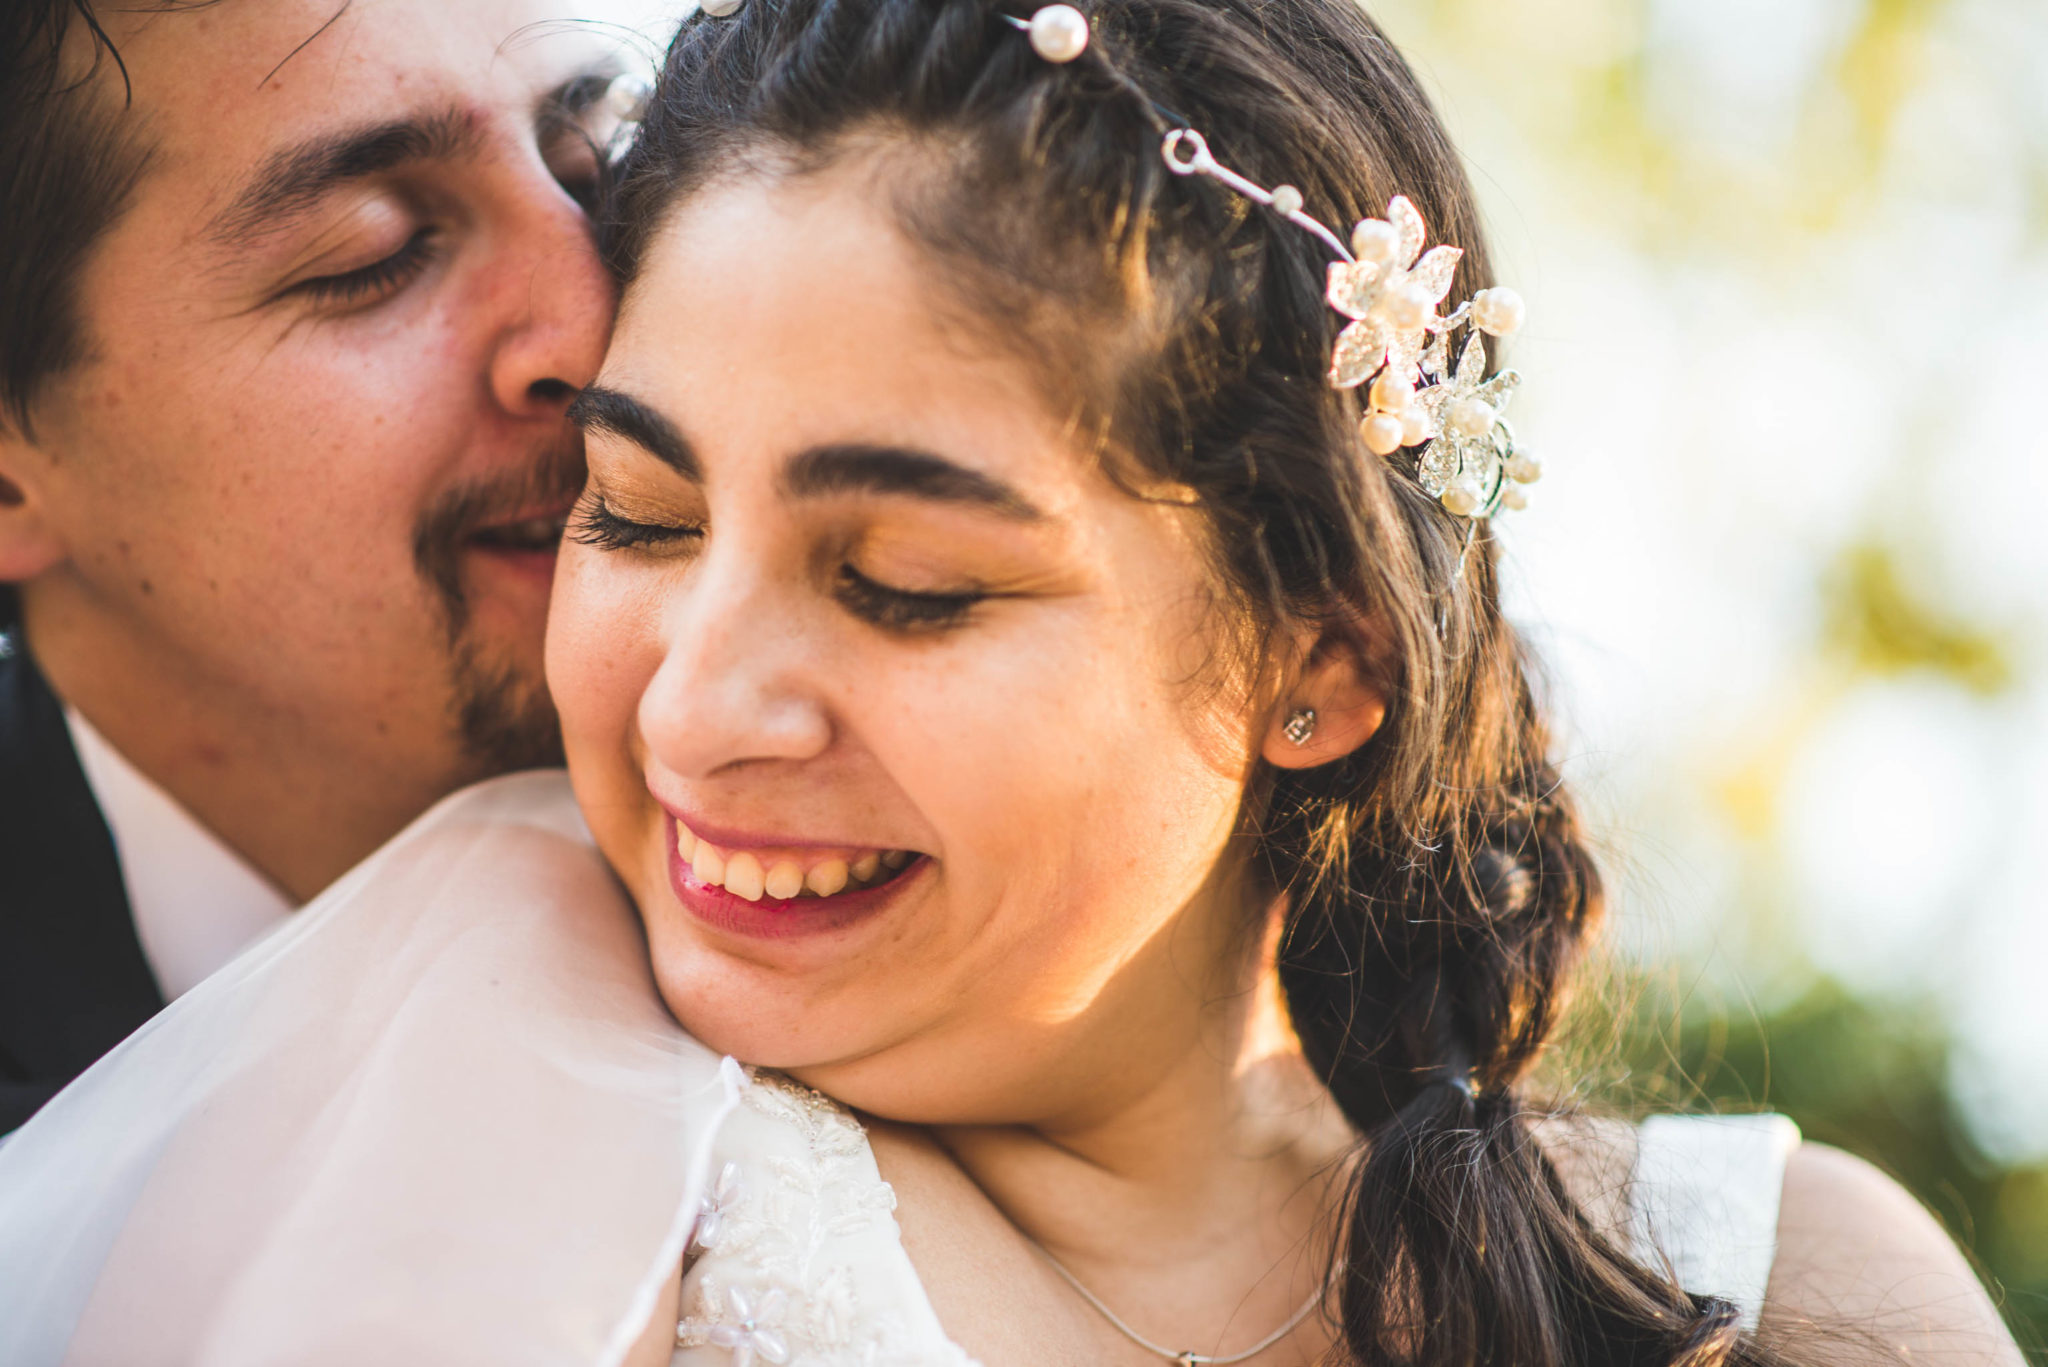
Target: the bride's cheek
(596, 646)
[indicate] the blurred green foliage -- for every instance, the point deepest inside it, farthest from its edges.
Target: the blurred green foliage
(1877, 624)
(1867, 1076)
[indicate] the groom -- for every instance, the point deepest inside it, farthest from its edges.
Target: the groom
(294, 295)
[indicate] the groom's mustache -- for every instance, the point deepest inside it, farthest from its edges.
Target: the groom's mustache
(495, 512)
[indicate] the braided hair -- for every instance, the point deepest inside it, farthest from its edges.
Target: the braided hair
(1437, 886)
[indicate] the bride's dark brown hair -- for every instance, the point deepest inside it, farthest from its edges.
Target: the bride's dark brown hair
(1437, 885)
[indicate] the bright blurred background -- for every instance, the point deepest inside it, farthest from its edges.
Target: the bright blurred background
(1787, 266)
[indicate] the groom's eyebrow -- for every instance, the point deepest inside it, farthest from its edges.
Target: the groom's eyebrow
(598, 409)
(291, 182)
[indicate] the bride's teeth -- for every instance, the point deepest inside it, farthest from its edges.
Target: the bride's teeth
(896, 859)
(708, 865)
(866, 867)
(784, 881)
(743, 876)
(827, 878)
(686, 844)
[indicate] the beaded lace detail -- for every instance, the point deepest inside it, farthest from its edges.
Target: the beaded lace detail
(797, 1256)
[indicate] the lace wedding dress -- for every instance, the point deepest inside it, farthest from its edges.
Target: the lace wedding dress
(441, 1116)
(797, 1257)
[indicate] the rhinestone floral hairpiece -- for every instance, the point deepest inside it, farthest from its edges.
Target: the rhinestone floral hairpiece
(1389, 290)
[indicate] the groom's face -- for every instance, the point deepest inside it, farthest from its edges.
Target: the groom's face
(315, 453)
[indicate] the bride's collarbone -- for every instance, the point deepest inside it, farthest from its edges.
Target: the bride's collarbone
(993, 1293)
(1000, 1300)
(992, 1290)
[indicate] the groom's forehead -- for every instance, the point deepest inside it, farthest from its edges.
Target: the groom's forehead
(247, 101)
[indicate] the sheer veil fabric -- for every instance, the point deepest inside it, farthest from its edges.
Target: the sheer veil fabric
(440, 1116)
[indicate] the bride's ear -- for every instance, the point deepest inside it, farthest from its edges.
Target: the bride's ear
(1335, 699)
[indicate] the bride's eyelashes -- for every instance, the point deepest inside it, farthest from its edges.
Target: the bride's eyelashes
(597, 526)
(903, 609)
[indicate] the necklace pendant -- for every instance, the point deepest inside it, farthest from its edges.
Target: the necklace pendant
(1187, 1359)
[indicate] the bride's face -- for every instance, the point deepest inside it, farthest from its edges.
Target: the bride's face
(848, 610)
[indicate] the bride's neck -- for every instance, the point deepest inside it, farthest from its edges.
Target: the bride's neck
(1229, 1134)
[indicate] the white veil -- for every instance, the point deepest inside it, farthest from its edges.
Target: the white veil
(439, 1117)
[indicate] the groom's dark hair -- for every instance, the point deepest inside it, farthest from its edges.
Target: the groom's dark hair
(67, 170)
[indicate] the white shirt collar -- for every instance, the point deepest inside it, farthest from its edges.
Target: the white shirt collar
(196, 902)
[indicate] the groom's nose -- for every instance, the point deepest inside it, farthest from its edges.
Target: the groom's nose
(558, 306)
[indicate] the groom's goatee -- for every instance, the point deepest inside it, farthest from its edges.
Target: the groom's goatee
(505, 717)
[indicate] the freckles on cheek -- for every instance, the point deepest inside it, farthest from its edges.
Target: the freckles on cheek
(600, 656)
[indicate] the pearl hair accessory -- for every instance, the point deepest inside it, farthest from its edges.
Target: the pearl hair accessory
(625, 99)
(1059, 33)
(1390, 290)
(1395, 343)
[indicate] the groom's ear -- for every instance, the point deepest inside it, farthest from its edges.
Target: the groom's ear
(29, 543)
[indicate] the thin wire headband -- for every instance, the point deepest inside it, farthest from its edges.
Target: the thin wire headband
(1389, 290)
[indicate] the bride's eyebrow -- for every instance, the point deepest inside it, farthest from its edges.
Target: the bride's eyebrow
(862, 468)
(598, 409)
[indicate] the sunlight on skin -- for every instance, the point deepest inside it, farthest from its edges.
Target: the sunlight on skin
(1038, 750)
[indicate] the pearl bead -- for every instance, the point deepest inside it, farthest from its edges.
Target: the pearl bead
(1416, 427)
(1392, 393)
(1462, 499)
(1059, 33)
(1406, 309)
(625, 99)
(1524, 468)
(719, 9)
(1498, 311)
(1513, 497)
(1382, 433)
(1286, 200)
(1471, 417)
(1375, 240)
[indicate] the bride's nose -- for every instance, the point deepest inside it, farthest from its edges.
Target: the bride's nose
(736, 679)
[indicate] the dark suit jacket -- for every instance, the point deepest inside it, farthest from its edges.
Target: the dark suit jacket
(73, 980)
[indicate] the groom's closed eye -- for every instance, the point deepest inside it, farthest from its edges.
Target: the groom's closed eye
(293, 184)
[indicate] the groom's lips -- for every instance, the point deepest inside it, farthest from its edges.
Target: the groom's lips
(527, 540)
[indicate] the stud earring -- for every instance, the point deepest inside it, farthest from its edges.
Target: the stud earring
(1301, 724)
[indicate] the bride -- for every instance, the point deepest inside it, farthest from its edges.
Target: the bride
(1030, 653)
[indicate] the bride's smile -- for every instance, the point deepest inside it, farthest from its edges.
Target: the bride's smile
(778, 887)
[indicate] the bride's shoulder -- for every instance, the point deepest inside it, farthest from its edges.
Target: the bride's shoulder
(1825, 1245)
(1857, 1251)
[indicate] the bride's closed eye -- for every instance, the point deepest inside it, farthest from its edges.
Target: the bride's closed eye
(903, 610)
(596, 525)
